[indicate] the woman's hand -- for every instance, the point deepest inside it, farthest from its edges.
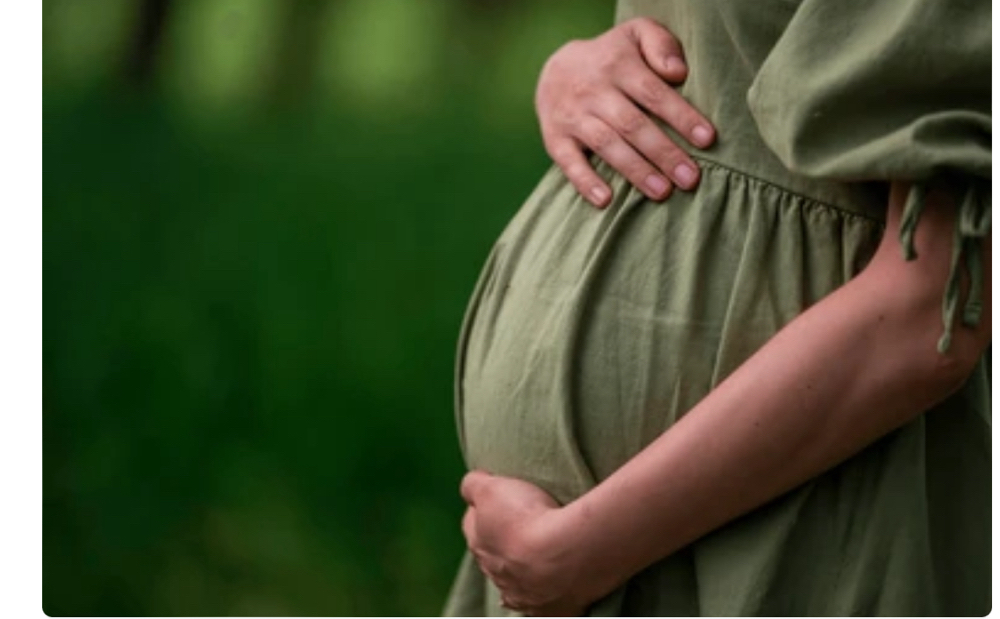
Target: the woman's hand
(596, 95)
(516, 532)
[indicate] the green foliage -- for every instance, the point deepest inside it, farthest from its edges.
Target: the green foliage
(250, 314)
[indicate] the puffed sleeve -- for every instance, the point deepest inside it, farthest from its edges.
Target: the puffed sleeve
(861, 90)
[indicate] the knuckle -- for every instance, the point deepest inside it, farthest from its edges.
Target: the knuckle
(579, 89)
(637, 174)
(501, 568)
(636, 170)
(668, 152)
(650, 90)
(608, 65)
(565, 113)
(679, 112)
(629, 121)
(486, 491)
(556, 115)
(667, 162)
(621, 61)
(601, 138)
(562, 153)
(683, 114)
(579, 173)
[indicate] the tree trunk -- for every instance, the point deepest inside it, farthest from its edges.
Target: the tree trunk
(141, 63)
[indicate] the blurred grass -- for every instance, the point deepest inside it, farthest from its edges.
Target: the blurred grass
(250, 310)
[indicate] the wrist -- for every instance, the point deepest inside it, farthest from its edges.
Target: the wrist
(588, 549)
(559, 549)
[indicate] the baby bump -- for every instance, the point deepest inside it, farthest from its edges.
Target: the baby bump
(591, 332)
(516, 382)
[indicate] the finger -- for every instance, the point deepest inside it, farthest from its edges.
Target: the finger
(612, 147)
(505, 604)
(649, 140)
(469, 528)
(473, 484)
(494, 569)
(567, 153)
(646, 89)
(659, 48)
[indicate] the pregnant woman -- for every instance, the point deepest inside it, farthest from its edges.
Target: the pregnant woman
(758, 389)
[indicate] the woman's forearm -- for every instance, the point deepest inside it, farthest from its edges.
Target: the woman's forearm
(855, 366)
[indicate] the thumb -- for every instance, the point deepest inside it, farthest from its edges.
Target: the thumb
(659, 48)
(469, 527)
(473, 485)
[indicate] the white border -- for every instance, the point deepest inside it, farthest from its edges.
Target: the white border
(21, 313)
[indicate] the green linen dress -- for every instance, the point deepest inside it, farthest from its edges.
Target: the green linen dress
(590, 332)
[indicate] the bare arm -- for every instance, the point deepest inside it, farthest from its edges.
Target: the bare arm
(858, 364)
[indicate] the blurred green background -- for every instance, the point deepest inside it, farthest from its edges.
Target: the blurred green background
(262, 221)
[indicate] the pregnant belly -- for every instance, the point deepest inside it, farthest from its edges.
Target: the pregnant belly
(568, 362)
(591, 332)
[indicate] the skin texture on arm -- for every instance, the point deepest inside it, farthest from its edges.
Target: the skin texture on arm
(858, 364)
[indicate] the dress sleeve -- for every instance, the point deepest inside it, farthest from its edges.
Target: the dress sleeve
(860, 90)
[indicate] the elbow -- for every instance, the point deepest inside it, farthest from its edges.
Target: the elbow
(915, 290)
(950, 368)
(947, 372)
(943, 370)
(939, 372)
(913, 297)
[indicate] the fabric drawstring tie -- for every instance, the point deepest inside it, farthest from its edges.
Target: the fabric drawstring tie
(971, 227)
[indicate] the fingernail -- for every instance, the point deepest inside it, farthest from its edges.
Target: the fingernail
(702, 135)
(674, 64)
(656, 184)
(599, 195)
(685, 175)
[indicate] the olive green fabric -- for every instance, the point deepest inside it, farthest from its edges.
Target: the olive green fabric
(915, 78)
(590, 332)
